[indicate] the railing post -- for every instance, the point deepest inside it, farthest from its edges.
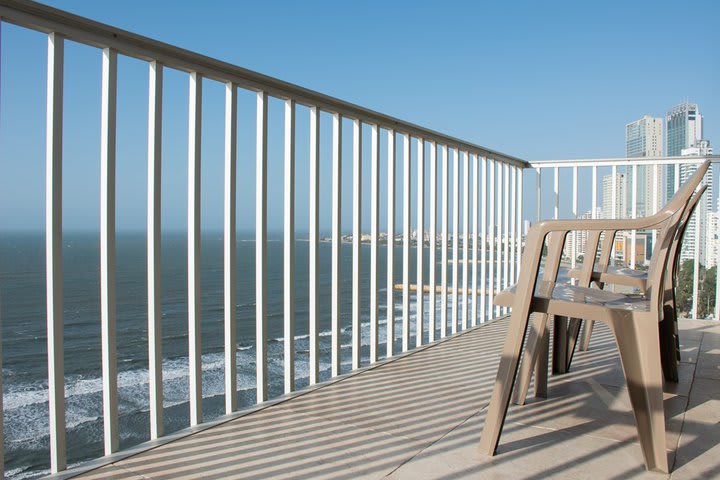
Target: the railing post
(594, 192)
(633, 215)
(498, 237)
(289, 253)
(336, 222)
(491, 240)
(538, 198)
(420, 242)
(230, 244)
(518, 256)
(475, 169)
(513, 207)
(613, 205)
(390, 308)
(2, 406)
(154, 266)
(465, 237)
(357, 233)
(456, 240)
(656, 180)
(374, 230)
(483, 244)
(432, 321)
(107, 250)
(444, 253)
(574, 252)
(193, 246)
(506, 229)
(406, 243)
(53, 251)
(261, 246)
(696, 265)
(313, 258)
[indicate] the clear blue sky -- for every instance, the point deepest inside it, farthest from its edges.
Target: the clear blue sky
(538, 80)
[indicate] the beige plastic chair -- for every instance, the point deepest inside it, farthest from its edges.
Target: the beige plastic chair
(632, 318)
(606, 274)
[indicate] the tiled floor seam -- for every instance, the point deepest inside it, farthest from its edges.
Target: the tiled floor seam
(478, 412)
(130, 471)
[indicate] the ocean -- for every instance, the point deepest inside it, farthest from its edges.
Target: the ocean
(22, 311)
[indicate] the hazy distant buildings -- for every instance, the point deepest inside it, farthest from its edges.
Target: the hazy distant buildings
(683, 125)
(644, 138)
(580, 236)
(699, 222)
(614, 194)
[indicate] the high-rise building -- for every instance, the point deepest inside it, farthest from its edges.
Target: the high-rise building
(644, 138)
(713, 237)
(683, 129)
(618, 196)
(698, 225)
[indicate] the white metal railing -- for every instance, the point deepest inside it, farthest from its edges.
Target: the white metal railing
(629, 168)
(496, 205)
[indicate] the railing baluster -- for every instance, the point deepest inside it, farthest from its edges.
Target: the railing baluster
(717, 292)
(518, 256)
(357, 232)
(513, 207)
(613, 206)
(506, 230)
(336, 229)
(538, 195)
(374, 219)
(261, 247)
(634, 215)
(556, 192)
(594, 192)
(456, 239)
(475, 170)
(444, 253)
(230, 244)
(53, 251)
(420, 242)
(193, 246)
(656, 173)
(573, 260)
(154, 249)
(107, 250)
(406, 244)
(2, 406)
(390, 312)
(491, 241)
(289, 254)
(696, 266)
(483, 240)
(499, 233)
(313, 240)
(465, 237)
(432, 321)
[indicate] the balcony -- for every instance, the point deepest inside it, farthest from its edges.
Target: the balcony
(420, 416)
(339, 346)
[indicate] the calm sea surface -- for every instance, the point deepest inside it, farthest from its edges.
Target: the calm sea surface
(22, 310)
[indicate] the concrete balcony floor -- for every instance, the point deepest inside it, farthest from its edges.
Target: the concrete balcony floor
(420, 416)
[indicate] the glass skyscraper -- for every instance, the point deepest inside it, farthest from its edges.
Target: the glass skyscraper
(644, 138)
(683, 129)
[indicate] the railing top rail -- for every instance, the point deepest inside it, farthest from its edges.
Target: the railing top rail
(40, 17)
(627, 161)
